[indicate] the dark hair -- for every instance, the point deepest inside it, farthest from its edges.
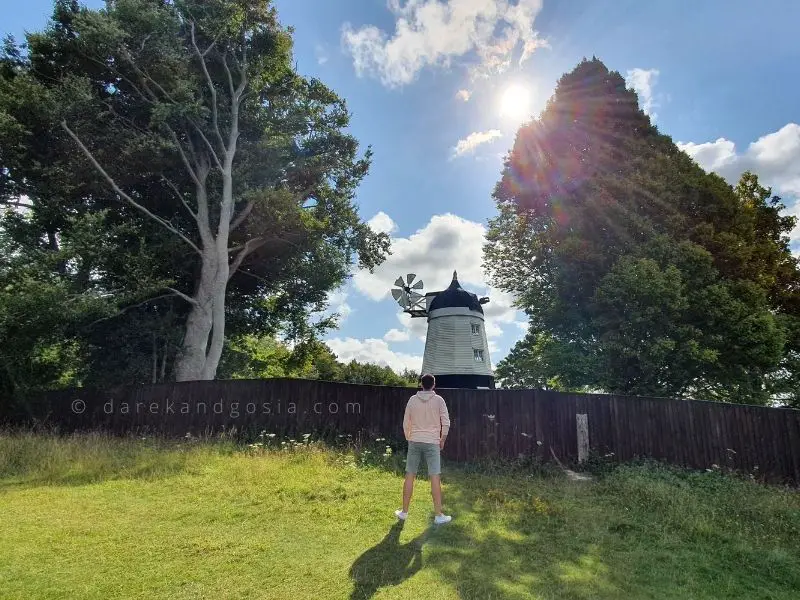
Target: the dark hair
(428, 381)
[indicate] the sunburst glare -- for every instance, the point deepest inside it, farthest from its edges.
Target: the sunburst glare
(515, 102)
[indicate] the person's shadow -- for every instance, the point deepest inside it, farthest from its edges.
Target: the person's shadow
(387, 563)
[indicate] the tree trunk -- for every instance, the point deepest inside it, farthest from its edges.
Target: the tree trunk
(200, 355)
(191, 361)
(164, 361)
(223, 270)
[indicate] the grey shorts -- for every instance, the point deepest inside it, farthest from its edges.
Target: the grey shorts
(416, 450)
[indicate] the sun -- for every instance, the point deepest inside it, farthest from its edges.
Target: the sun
(515, 102)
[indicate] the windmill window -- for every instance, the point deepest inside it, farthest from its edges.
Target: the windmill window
(476, 329)
(478, 354)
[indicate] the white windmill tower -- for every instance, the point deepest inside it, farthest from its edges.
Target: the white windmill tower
(456, 350)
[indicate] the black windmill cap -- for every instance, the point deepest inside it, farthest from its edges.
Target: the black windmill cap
(456, 297)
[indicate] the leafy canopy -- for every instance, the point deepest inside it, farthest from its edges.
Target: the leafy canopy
(639, 272)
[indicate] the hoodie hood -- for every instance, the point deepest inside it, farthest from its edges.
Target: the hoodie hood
(425, 395)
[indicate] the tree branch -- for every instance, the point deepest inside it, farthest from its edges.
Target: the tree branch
(184, 158)
(149, 98)
(263, 239)
(147, 78)
(183, 296)
(178, 193)
(208, 143)
(228, 72)
(121, 193)
(240, 218)
(127, 308)
(214, 112)
(249, 247)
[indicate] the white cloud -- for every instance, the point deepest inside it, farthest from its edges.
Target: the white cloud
(337, 303)
(475, 139)
(431, 33)
(417, 327)
(642, 81)
(501, 308)
(774, 157)
(712, 156)
(373, 351)
(395, 335)
(321, 53)
(382, 223)
(446, 243)
(463, 95)
(492, 329)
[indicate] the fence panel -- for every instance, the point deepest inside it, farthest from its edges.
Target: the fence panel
(485, 423)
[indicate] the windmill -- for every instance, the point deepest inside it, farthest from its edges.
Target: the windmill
(456, 348)
(408, 294)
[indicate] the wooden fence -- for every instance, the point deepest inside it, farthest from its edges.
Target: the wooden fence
(485, 423)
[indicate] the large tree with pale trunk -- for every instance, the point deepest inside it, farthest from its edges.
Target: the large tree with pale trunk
(189, 116)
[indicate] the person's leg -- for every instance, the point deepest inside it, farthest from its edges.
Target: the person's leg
(436, 492)
(408, 490)
(433, 460)
(412, 463)
(435, 471)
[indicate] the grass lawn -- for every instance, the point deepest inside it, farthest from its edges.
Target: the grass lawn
(94, 517)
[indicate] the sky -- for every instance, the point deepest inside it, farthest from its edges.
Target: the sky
(438, 89)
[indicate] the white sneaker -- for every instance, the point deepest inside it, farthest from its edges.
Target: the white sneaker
(442, 519)
(401, 515)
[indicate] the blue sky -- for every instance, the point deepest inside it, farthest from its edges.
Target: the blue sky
(428, 84)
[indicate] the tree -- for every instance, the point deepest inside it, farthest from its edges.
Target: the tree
(229, 172)
(639, 272)
(40, 317)
(252, 357)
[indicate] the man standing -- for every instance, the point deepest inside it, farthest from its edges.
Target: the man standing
(425, 424)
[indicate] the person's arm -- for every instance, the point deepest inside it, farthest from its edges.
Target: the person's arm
(407, 421)
(444, 420)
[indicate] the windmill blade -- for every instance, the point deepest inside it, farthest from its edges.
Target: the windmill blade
(410, 277)
(415, 298)
(399, 282)
(401, 297)
(417, 286)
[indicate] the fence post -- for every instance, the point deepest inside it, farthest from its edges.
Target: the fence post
(582, 422)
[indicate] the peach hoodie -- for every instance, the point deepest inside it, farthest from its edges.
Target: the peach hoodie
(426, 419)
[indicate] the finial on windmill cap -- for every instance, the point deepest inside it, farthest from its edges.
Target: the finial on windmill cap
(455, 275)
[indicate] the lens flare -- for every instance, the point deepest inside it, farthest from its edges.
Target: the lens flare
(515, 103)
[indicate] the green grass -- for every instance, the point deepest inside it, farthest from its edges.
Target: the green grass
(97, 517)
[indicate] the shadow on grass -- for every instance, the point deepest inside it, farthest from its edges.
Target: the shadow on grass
(388, 563)
(503, 546)
(637, 535)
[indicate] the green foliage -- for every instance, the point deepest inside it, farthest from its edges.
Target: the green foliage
(125, 79)
(253, 357)
(640, 273)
